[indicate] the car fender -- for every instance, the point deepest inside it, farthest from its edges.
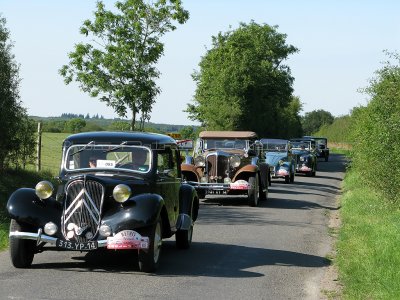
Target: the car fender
(139, 211)
(26, 207)
(243, 172)
(190, 172)
(188, 207)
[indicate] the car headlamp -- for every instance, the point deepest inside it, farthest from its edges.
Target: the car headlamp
(234, 161)
(44, 189)
(121, 193)
(199, 161)
(50, 228)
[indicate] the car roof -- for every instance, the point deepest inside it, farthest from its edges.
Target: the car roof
(154, 140)
(228, 134)
(265, 140)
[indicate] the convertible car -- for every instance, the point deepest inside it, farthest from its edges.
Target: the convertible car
(279, 158)
(228, 162)
(305, 155)
(322, 146)
(117, 191)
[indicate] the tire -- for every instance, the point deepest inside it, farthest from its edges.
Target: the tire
(149, 259)
(291, 177)
(183, 238)
(201, 194)
(287, 179)
(263, 195)
(253, 192)
(21, 251)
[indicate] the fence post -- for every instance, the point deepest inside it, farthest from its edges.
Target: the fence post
(39, 147)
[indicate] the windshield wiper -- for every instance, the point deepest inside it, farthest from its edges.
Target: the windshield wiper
(83, 148)
(116, 147)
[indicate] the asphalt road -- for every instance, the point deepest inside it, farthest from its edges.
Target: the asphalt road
(274, 251)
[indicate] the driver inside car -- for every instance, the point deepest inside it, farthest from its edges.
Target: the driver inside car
(140, 160)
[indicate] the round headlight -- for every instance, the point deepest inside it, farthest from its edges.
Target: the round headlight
(105, 230)
(44, 189)
(234, 161)
(121, 193)
(199, 161)
(50, 228)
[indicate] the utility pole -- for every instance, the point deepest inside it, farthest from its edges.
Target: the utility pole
(39, 147)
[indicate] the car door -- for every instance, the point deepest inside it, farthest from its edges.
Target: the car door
(169, 181)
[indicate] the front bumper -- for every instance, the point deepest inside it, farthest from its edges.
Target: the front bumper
(119, 241)
(237, 186)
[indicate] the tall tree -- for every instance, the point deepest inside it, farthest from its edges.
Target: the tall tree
(13, 115)
(242, 83)
(314, 120)
(118, 65)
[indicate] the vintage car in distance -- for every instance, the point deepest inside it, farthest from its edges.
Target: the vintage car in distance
(228, 162)
(322, 146)
(279, 158)
(305, 155)
(118, 190)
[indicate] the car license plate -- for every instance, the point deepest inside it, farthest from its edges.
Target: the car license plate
(69, 245)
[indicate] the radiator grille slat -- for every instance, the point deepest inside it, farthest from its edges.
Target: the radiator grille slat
(82, 210)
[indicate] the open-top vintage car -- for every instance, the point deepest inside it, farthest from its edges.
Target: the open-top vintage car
(118, 190)
(322, 146)
(228, 162)
(305, 155)
(279, 158)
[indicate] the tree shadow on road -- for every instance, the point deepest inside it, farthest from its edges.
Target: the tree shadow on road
(202, 259)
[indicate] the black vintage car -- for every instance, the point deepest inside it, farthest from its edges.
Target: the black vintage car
(118, 190)
(322, 146)
(304, 151)
(228, 162)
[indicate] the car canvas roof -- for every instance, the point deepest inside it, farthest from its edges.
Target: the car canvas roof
(228, 134)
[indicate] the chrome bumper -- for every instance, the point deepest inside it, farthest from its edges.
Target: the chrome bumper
(38, 237)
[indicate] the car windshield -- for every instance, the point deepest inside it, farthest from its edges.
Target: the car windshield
(224, 144)
(301, 146)
(274, 146)
(108, 157)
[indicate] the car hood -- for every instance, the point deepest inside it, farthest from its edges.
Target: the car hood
(273, 158)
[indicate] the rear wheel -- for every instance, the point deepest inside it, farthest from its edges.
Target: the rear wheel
(183, 238)
(263, 195)
(149, 259)
(253, 191)
(21, 250)
(287, 179)
(291, 177)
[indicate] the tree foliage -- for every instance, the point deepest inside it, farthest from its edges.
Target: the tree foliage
(376, 132)
(242, 83)
(118, 65)
(314, 120)
(15, 133)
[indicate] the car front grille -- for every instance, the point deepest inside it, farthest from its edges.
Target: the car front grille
(217, 167)
(80, 220)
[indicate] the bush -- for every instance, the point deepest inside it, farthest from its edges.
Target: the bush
(376, 133)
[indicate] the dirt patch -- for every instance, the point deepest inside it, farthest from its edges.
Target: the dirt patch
(331, 288)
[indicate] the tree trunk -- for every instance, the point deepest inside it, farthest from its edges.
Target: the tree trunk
(133, 120)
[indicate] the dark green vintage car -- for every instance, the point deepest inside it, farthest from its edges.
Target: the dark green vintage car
(304, 150)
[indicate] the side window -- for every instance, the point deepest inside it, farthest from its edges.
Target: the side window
(166, 162)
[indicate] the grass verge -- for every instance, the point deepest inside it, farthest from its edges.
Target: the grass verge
(9, 182)
(367, 250)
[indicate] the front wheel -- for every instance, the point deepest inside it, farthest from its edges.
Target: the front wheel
(149, 259)
(21, 250)
(183, 238)
(252, 195)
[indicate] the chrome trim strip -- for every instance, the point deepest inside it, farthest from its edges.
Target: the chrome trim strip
(45, 238)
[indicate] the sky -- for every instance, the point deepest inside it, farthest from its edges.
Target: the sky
(340, 44)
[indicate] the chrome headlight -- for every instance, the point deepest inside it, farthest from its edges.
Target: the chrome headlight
(234, 161)
(44, 189)
(199, 161)
(121, 193)
(50, 228)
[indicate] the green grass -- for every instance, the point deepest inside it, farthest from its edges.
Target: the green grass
(51, 152)
(368, 245)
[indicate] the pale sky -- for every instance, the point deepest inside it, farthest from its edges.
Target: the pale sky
(341, 45)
